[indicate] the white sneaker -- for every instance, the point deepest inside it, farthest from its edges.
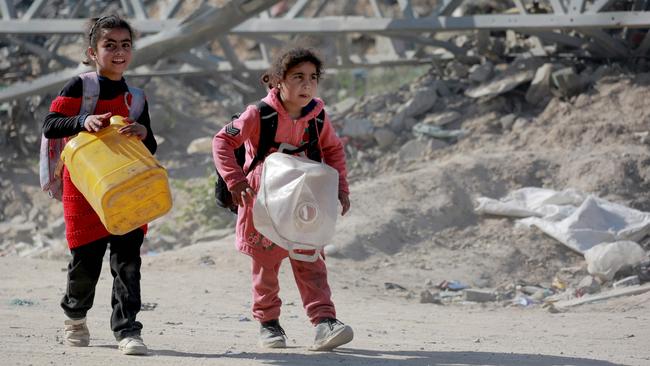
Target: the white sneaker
(75, 333)
(272, 335)
(331, 333)
(132, 346)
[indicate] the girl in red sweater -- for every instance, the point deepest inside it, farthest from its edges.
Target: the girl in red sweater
(110, 41)
(292, 82)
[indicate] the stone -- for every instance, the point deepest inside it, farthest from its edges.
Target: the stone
(540, 88)
(360, 128)
(384, 137)
(566, 82)
(422, 101)
(479, 295)
(201, 145)
(481, 73)
(507, 121)
(345, 106)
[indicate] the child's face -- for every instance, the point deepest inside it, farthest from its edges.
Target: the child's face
(113, 53)
(299, 86)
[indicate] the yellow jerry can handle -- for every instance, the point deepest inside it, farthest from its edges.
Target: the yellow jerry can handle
(117, 121)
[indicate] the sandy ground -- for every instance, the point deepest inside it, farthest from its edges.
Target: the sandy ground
(198, 301)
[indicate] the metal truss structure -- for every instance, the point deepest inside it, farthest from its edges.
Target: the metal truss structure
(353, 34)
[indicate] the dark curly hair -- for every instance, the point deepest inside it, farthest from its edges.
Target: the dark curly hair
(95, 26)
(288, 59)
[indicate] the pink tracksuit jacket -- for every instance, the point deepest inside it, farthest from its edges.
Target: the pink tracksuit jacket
(290, 131)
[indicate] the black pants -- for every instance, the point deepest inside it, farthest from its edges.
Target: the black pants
(83, 273)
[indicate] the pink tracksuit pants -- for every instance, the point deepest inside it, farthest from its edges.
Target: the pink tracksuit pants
(311, 279)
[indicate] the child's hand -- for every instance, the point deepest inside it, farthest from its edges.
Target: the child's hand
(133, 129)
(242, 193)
(96, 122)
(344, 198)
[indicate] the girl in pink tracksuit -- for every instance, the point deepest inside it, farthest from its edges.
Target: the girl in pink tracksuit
(292, 82)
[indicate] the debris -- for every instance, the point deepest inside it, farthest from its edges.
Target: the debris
(479, 295)
(566, 82)
(148, 306)
(384, 137)
(627, 281)
(452, 285)
(201, 145)
(540, 88)
(423, 129)
(427, 297)
(21, 302)
(619, 292)
(605, 259)
(588, 285)
(517, 73)
(393, 286)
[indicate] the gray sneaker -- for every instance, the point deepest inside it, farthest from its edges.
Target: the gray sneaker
(272, 335)
(132, 345)
(331, 333)
(75, 333)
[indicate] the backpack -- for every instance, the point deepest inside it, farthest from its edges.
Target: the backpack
(50, 164)
(268, 125)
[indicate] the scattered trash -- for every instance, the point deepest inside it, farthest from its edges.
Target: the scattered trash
(427, 297)
(423, 129)
(22, 302)
(643, 271)
(148, 306)
(479, 295)
(452, 285)
(393, 286)
(523, 301)
(627, 281)
(605, 259)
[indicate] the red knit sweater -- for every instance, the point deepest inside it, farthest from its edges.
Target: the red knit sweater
(82, 225)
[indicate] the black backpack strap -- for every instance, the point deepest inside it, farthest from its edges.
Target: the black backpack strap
(312, 147)
(313, 151)
(268, 127)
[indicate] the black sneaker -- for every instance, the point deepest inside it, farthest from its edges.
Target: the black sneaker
(331, 333)
(272, 335)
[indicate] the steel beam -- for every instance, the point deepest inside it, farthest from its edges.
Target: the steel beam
(149, 49)
(334, 25)
(36, 6)
(600, 5)
(447, 7)
(7, 9)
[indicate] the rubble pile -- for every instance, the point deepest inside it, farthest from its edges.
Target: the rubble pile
(510, 112)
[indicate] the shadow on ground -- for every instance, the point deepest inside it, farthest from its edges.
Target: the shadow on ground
(400, 358)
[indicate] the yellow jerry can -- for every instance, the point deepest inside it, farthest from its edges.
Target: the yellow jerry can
(125, 185)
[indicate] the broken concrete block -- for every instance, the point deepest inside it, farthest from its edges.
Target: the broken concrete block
(384, 137)
(481, 73)
(345, 106)
(507, 121)
(517, 73)
(566, 82)
(201, 145)
(540, 88)
(423, 100)
(478, 295)
(358, 128)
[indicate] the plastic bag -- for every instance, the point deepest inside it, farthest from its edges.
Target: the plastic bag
(604, 260)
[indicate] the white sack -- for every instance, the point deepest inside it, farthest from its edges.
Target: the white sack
(604, 260)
